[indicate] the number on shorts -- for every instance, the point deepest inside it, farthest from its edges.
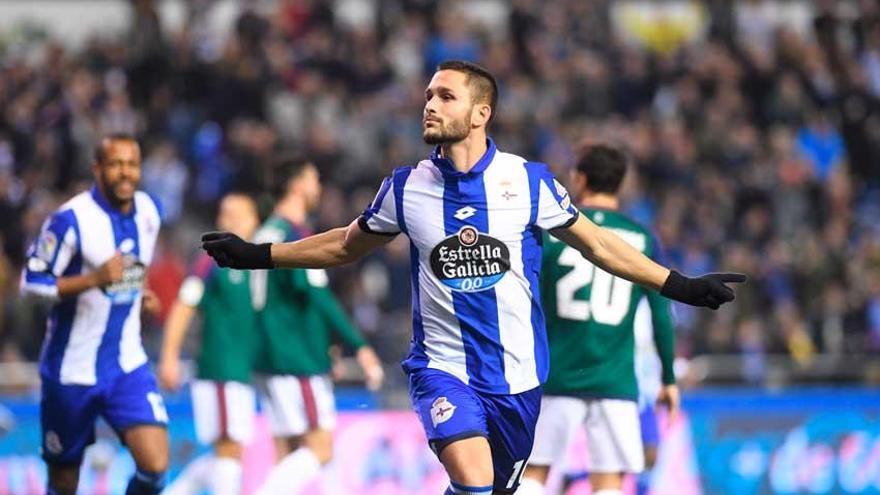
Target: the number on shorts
(518, 469)
(158, 406)
(609, 296)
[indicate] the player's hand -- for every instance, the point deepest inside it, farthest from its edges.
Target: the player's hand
(111, 271)
(670, 397)
(230, 250)
(150, 303)
(709, 290)
(373, 372)
(169, 373)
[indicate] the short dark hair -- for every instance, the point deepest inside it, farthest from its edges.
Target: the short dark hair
(288, 167)
(100, 154)
(604, 166)
(482, 82)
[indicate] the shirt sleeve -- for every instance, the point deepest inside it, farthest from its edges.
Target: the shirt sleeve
(50, 255)
(555, 208)
(193, 287)
(381, 216)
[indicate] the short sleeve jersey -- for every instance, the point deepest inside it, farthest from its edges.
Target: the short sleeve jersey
(96, 334)
(229, 335)
(475, 248)
(297, 313)
(591, 315)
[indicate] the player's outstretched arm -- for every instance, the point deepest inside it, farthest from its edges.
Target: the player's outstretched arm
(331, 248)
(609, 252)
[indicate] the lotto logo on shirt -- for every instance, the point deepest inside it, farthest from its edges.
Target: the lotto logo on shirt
(470, 261)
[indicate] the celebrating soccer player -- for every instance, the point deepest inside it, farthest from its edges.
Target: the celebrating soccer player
(590, 329)
(474, 216)
(222, 397)
(296, 312)
(91, 258)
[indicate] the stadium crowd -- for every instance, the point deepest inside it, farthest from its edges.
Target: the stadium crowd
(756, 145)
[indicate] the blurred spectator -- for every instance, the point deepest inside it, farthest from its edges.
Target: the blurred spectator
(166, 177)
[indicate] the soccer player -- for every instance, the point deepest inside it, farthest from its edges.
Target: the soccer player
(223, 399)
(590, 331)
(474, 216)
(296, 313)
(91, 258)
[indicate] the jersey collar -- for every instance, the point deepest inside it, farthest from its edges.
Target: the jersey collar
(448, 168)
(105, 205)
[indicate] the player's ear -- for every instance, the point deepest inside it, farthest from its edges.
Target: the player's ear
(480, 114)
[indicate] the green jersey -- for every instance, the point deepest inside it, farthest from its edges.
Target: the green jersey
(296, 313)
(229, 337)
(590, 317)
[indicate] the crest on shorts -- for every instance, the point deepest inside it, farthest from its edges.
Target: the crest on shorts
(441, 411)
(53, 443)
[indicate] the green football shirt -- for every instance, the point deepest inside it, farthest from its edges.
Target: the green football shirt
(590, 317)
(229, 339)
(297, 313)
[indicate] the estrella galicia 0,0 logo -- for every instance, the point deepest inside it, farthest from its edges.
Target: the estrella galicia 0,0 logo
(470, 261)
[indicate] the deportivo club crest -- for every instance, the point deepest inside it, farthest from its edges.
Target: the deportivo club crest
(441, 411)
(470, 261)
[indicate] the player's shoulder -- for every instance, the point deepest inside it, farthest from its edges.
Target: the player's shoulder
(539, 169)
(617, 217)
(274, 229)
(149, 204)
(424, 169)
(71, 211)
(531, 170)
(78, 202)
(626, 227)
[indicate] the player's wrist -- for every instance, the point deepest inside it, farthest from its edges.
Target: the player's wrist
(96, 279)
(676, 286)
(262, 255)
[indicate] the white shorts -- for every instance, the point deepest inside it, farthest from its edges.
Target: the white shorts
(223, 410)
(614, 441)
(298, 404)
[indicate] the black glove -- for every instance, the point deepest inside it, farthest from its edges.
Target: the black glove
(229, 250)
(708, 290)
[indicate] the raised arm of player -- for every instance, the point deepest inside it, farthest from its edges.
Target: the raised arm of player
(328, 249)
(609, 252)
(331, 248)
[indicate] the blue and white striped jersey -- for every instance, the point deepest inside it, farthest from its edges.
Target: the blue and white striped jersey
(96, 334)
(475, 248)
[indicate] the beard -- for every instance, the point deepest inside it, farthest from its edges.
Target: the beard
(453, 132)
(115, 192)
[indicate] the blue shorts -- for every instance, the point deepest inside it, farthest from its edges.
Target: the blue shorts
(648, 422)
(68, 412)
(450, 410)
